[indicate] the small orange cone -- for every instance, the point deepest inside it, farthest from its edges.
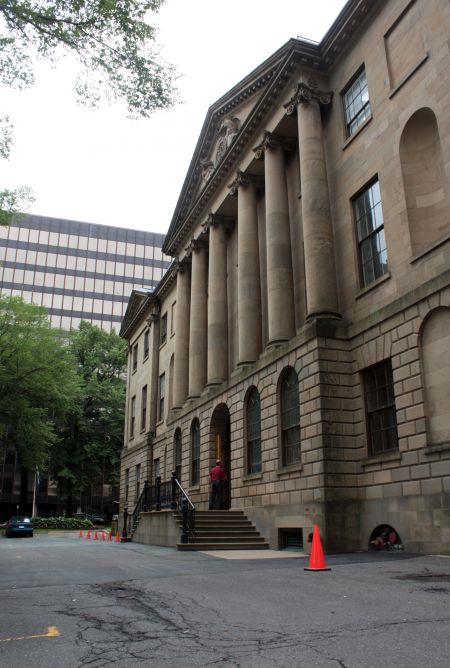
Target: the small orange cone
(117, 540)
(88, 534)
(109, 536)
(95, 535)
(81, 534)
(316, 558)
(103, 535)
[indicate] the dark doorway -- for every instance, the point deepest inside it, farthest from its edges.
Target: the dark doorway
(220, 447)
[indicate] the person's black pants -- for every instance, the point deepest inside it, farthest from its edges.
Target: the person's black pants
(216, 493)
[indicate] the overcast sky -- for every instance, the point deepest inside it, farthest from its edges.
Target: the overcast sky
(100, 167)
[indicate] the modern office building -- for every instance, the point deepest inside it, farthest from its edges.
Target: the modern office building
(303, 333)
(78, 270)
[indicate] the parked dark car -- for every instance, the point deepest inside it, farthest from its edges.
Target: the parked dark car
(95, 518)
(19, 526)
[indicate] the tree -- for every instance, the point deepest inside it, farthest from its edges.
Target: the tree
(111, 38)
(38, 382)
(114, 44)
(93, 432)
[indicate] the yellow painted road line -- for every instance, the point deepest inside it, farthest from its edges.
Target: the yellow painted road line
(52, 632)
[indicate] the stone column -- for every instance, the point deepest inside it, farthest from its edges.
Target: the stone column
(181, 361)
(217, 367)
(249, 287)
(153, 322)
(320, 269)
(280, 287)
(198, 321)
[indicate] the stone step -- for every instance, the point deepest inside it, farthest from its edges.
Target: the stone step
(214, 538)
(222, 546)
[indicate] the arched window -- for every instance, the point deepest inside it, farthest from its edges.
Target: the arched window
(195, 452)
(290, 418)
(253, 432)
(177, 454)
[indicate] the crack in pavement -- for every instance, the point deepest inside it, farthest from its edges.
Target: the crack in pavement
(132, 622)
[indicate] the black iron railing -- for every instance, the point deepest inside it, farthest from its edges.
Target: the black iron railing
(163, 495)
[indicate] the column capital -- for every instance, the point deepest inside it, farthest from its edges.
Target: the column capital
(270, 141)
(181, 266)
(215, 219)
(153, 317)
(307, 93)
(194, 246)
(245, 179)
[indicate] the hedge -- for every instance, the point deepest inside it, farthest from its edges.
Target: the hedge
(61, 523)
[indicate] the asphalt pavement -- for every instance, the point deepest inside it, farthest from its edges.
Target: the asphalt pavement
(70, 602)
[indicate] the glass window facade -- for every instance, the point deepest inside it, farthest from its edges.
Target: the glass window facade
(89, 269)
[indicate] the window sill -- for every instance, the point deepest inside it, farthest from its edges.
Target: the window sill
(250, 477)
(373, 285)
(408, 75)
(162, 344)
(134, 370)
(349, 140)
(437, 447)
(381, 458)
(145, 358)
(430, 249)
(194, 488)
(292, 468)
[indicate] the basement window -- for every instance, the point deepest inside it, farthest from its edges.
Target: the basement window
(290, 539)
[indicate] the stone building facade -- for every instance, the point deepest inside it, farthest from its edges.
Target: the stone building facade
(302, 333)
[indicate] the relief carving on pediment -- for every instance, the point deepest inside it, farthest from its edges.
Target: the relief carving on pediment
(228, 129)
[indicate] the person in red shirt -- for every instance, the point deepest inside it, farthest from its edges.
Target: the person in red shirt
(217, 476)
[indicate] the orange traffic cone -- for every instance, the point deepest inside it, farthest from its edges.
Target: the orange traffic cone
(95, 535)
(117, 540)
(81, 534)
(109, 536)
(103, 535)
(316, 558)
(88, 534)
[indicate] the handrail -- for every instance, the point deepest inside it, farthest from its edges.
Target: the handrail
(170, 494)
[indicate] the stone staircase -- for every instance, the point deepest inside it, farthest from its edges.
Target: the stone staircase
(224, 530)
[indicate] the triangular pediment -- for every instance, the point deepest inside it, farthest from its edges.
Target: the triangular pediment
(139, 301)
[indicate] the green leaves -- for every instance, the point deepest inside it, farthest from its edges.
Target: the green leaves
(38, 381)
(112, 40)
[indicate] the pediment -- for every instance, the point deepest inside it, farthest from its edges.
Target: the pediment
(140, 299)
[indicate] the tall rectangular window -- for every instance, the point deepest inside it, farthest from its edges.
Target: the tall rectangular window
(161, 392)
(135, 356)
(380, 408)
(132, 416)
(356, 102)
(127, 484)
(144, 408)
(370, 234)
(172, 319)
(146, 343)
(163, 329)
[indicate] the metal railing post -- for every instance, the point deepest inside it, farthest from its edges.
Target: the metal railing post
(125, 522)
(145, 500)
(173, 503)
(158, 493)
(184, 511)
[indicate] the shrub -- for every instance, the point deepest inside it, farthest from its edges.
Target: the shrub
(61, 523)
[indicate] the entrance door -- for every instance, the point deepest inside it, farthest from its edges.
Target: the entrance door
(220, 431)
